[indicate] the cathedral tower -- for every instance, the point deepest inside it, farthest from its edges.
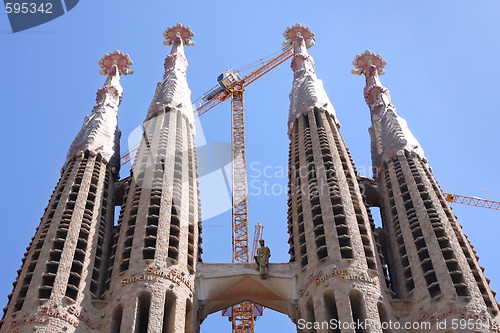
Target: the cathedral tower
(331, 230)
(432, 264)
(64, 266)
(156, 241)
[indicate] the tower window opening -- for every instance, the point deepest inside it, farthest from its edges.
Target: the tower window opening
(376, 214)
(311, 317)
(331, 309)
(357, 310)
(142, 319)
(169, 313)
(116, 319)
(189, 314)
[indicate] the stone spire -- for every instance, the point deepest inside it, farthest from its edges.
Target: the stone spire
(99, 133)
(307, 90)
(389, 132)
(173, 91)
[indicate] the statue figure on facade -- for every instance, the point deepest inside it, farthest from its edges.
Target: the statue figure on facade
(262, 259)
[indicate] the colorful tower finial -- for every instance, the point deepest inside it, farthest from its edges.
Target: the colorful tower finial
(184, 32)
(364, 60)
(298, 30)
(122, 61)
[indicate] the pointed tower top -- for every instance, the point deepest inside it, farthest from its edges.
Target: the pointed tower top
(389, 132)
(308, 92)
(173, 93)
(99, 133)
(121, 60)
(179, 30)
(363, 61)
(371, 65)
(292, 33)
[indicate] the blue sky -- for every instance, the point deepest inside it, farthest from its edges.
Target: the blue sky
(441, 71)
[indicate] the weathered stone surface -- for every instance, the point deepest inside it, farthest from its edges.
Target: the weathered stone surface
(307, 90)
(434, 270)
(99, 133)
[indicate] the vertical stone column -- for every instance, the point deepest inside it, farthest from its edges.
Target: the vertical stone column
(60, 284)
(157, 238)
(433, 263)
(331, 230)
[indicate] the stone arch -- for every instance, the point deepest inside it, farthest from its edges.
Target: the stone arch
(357, 309)
(310, 315)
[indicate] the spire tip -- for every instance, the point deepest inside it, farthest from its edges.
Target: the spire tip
(298, 30)
(121, 60)
(365, 59)
(179, 30)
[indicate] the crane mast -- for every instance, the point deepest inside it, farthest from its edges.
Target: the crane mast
(242, 314)
(240, 211)
(256, 238)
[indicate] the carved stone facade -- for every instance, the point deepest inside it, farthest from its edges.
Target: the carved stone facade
(156, 245)
(84, 273)
(432, 264)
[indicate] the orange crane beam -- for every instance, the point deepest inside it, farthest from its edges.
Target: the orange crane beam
(128, 155)
(472, 201)
(247, 80)
(465, 200)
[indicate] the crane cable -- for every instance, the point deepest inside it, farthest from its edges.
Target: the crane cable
(469, 187)
(254, 64)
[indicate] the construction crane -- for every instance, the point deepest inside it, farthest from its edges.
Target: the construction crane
(455, 198)
(232, 85)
